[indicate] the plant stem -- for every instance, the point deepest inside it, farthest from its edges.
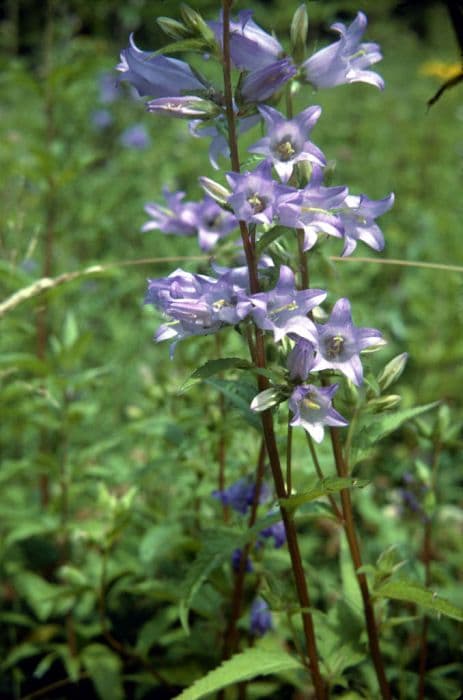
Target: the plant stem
(231, 633)
(349, 527)
(289, 455)
(266, 416)
(321, 476)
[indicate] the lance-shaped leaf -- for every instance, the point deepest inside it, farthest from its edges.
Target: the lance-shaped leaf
(411, 592)
(321, 488)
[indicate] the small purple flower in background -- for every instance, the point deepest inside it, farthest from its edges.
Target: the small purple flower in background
(108, 88)
(340, 342)
(284, 309)
(135, 136)
(260, 618)
(277, 531)
(101, 119)
(156, 75)
(346, 60)
(287, 141)
(312, 408)
(412, 495)
(359, 221)
(240, 495)
(236, 559)
(301, 360)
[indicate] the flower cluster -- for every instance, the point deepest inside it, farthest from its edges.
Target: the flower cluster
(285, 191)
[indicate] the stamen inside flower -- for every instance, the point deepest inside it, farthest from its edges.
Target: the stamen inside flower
(257, 202)
(285, 150)
(292, 306)
(334, 346)
(310, 402)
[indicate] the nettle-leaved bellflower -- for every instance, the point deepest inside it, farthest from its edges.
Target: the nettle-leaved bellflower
(346, 60)
(260, 618)
(340, 343)
(256, 197)
(287, 141)
(158, 76)
(284, 309)
(313, 409)
(358, 220)
(261, 84)
(314, 209)
(196, 304)
(301, 360)
(251, 47)
(204, 218)
(240, 495)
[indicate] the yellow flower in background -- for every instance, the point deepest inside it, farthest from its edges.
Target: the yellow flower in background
(440, 69)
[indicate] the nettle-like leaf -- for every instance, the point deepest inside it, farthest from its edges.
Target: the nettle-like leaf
(239, 394)
(372, 429)
(249, 664)
(104, 668)
(323, 487)
(412, 592)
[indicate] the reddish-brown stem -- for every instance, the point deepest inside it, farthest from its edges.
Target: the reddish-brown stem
(349, 527)
(231, 633)
(289, 456)
(266, 416)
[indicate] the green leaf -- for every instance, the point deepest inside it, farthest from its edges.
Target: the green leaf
(239, 394)
(104, 668)
(217, 548)
(195, 45)
(249, 664)
(323, 487)
(412, 592)
(379, 427)
(269, 237)
(216, 366)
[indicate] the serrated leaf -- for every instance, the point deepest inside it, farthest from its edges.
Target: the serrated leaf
(323, 487)
(386, 424)
(104, 668)
(216, 366)
(217, 547)
(249, 664)
(411, 592)
(269, 237)
(240, 395)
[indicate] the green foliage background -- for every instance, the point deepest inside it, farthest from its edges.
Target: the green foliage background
(106, 464)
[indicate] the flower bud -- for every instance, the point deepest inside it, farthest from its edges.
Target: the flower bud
(301, 360)
(187, 107)
(215, 190)
(299, 27)
(173, 29)
(195, 22)
(384, 403)
(392, 371)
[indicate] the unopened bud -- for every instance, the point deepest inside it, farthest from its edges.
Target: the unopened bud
(172, 28)
(392, 371)
(195, 22)
(384, 403)
(299, 27)
(187, 107)
(215, 190)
